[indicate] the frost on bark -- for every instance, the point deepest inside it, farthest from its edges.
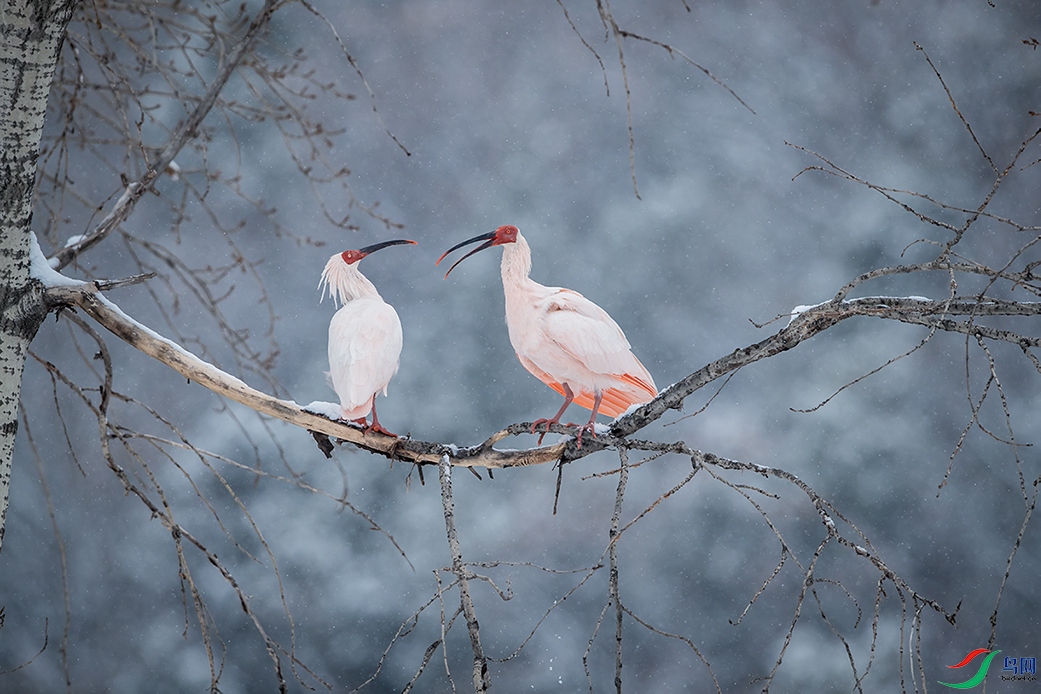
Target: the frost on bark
(31, 35)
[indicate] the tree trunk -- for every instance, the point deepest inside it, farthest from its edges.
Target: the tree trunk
(32, 32)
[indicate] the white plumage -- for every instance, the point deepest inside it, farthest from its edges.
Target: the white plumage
(364, 336)
(564, 339)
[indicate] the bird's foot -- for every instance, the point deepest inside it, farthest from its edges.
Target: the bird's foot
(378, 428)
(375, 426)
(590, 427)
(547, 422)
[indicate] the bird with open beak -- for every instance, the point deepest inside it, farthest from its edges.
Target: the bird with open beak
(564, 339)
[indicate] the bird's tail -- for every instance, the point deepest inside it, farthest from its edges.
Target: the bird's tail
(614, 401)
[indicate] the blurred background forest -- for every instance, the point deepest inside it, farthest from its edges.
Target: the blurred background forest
(506, 118)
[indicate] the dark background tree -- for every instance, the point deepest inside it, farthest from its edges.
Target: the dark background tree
(759, 542)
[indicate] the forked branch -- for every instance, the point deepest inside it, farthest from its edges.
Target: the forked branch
(804, 325)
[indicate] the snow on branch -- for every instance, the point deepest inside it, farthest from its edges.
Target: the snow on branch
(807, 322)
(811, 320)
(804, 323)
(86, 297)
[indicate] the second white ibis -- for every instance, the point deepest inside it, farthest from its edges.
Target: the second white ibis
(364, 336)
(564, 339)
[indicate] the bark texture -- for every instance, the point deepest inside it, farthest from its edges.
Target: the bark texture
(31, 34)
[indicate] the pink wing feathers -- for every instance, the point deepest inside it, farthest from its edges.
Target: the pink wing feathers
(579, 336)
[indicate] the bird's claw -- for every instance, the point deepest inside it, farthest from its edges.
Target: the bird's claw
(591, 428)
(550, 422)
(375, 426)
(535, 425)
(378, 428)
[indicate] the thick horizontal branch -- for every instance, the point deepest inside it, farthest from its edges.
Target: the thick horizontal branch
(87, 297)
(813, 320)
(804, 325)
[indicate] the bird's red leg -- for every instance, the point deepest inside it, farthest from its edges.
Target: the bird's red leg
(376, 426)
(591, 425)
(568, 397)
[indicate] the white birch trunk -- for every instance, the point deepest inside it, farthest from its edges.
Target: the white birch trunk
(31, 33)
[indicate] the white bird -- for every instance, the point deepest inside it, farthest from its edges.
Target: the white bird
(564, 339)
(364, 336)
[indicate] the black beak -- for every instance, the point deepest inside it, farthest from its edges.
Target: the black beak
(489, 241)
(383, 244)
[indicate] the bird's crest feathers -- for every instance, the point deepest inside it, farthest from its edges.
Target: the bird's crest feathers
(343, 282)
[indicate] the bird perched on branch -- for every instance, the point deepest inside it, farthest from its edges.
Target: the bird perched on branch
(364, 336)
(564, 339)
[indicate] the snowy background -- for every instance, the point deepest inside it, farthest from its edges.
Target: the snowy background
(508, 121)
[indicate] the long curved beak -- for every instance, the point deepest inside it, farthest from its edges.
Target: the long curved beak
(489, 241)
(383, 244)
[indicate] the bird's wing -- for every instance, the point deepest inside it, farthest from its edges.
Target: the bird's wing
(534, 369)
(614, 401)
(590, 335)
(364, 350)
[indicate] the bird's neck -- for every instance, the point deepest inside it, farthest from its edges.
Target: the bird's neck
(345, 282)
(516, 263)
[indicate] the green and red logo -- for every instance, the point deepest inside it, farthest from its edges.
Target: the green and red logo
(976, 679)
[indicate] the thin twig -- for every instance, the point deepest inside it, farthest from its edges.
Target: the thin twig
(482, 679)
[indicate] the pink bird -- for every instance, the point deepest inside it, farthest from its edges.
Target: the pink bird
(364, 336)
(564, 339)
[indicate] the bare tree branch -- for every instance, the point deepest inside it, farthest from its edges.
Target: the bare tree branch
(804, 325)
(187, 130)
(482, 679)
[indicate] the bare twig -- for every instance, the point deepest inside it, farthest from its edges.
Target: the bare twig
(950, 97)
(613, 590)
(185, 132)
(63, 556)
(482, 679)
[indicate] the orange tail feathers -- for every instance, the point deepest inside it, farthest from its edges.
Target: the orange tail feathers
(614, 401)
